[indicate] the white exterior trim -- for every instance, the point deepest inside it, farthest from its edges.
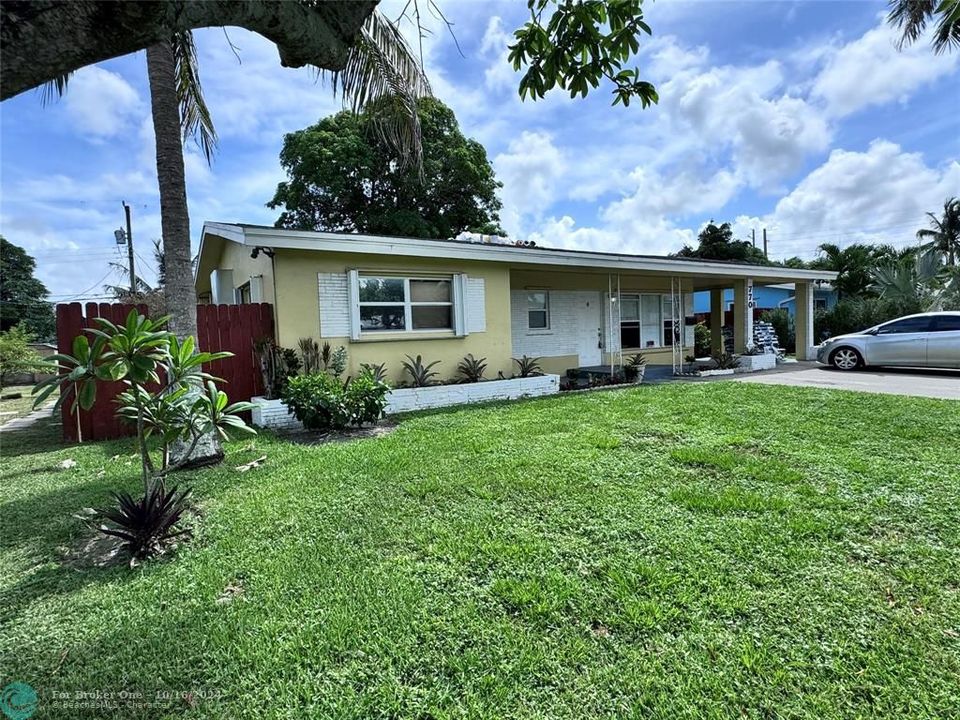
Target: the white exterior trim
(458, 250)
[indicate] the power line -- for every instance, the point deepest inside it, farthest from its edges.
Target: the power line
(84, 292)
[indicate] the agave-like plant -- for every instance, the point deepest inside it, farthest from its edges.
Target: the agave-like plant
(376, 371)
(528, 366)
(146, 524)
(725, 361)
(471, 369)
(421, 375)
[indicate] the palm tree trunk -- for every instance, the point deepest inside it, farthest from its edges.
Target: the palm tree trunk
(181, 295)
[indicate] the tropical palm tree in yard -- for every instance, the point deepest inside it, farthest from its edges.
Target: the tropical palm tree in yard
(944, 232)
(916, 283)
(379, 64)
(853, 265)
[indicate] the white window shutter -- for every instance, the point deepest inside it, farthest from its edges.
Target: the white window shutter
(476, 305)
(256, 288)
(353, 293)
(460, 304)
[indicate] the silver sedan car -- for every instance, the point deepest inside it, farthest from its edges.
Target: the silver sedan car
(926, 340)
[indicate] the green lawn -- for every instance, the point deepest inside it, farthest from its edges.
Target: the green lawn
(686, 551)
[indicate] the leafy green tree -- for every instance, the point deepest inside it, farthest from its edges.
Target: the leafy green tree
(16, 355)
(944, 231)
(716, 242)
(345, 178)
(22, 296)
(578, 44)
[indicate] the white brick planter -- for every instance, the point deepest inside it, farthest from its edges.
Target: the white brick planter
(753, 363)
(435, 396)
(273, 413)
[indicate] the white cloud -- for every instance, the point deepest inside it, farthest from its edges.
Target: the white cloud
(530, 171)
(872, 71)
(741, 107)
(880, 195)
(101, 103)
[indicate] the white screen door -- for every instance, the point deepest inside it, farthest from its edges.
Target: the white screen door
(589, 324)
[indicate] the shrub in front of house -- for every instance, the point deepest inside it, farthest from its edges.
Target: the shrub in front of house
(322, 402)
(366, 398)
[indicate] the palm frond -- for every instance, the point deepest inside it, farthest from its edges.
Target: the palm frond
(946, 36)
(383, 74)
(54, 89)
(910, 17)
(194, 113)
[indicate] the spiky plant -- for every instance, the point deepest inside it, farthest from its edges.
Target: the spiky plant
(528, 366)
(377, 371)
(147, 524)
(471, 369)
(420, 374)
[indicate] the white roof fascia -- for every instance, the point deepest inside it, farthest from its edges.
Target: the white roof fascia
(413, 247)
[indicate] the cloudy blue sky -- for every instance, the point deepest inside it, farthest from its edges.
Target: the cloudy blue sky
(800, 117)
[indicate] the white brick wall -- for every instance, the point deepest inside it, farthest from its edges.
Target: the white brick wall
(273, 413)
(435, 396)
(334, 305)
(561, 338)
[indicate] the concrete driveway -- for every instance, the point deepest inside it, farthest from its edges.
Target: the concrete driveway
(892, 381)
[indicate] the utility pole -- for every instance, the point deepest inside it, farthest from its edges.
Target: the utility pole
(133, 275)
(753, 236)
(765, 253)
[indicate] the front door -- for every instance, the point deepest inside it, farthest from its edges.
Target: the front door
(589, 324)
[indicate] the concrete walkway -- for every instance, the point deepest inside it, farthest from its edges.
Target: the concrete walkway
(944, 384)
(28, 419)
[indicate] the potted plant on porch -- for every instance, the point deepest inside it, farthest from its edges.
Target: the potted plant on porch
(635, 368)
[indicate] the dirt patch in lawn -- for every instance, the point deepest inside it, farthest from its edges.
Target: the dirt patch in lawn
(315, 437)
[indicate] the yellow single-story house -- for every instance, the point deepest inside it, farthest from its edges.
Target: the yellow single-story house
(384, 298)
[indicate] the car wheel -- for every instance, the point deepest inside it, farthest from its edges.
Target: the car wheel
(846, 359)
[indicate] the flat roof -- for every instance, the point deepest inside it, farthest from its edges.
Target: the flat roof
(280, 238)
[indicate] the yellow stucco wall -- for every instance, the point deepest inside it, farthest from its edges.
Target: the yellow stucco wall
(298, 312)
(233, 256)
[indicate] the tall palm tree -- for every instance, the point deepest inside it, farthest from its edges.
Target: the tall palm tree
(912, 16)
(853, 265)
(380, 65)
(944, 232)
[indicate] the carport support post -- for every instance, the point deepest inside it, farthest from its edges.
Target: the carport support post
(716, 320)
(742, 315)
(804, 321)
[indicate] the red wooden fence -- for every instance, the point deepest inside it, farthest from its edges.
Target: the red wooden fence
(233, 328)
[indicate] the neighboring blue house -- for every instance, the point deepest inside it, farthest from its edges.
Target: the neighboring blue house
(769, 297)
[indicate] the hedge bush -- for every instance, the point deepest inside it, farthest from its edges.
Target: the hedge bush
(322, 402)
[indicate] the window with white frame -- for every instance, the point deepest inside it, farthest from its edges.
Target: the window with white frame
(405, 304)
(646, 321)
(538, 310)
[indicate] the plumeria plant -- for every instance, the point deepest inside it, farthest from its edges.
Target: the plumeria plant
(168, 397)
